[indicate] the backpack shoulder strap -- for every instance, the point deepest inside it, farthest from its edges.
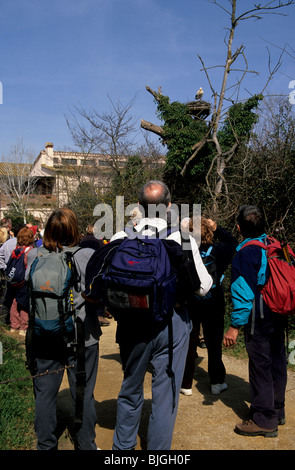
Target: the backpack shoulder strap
(256, 243)
(188, 254)
(79, 342)
(72, 250)
(69, 253)
(207, 253)
(167, 231)
(18, 251)
(130, 232)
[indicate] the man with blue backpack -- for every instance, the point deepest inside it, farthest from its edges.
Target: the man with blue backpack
(153, 325)
(150, 344)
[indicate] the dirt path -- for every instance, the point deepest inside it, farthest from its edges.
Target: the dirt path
(204, 421)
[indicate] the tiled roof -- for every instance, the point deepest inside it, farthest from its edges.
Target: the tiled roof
(14, 169)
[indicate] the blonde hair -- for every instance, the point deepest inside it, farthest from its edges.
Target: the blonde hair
(3, 235)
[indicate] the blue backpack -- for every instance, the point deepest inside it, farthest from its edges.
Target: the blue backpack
(16, 266)
(136, 277)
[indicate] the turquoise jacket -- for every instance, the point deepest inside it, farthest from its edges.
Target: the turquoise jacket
(249, 271)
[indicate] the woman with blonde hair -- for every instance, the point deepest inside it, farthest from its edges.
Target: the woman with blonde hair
(3, 235)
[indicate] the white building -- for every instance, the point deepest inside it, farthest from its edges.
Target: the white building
(52, 173)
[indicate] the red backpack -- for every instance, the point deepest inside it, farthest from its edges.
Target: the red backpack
(279, 291)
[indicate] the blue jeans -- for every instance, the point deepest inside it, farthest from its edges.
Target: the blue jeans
(46, 389)
(130, 400)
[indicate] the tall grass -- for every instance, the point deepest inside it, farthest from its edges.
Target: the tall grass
(16, 397)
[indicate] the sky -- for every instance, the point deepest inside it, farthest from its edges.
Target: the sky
(62, 54)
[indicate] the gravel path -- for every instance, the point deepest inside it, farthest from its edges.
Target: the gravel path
(204, 421)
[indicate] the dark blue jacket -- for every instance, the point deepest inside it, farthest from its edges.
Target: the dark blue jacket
(223, 249)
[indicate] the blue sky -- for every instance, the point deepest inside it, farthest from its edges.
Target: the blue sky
(64, 53)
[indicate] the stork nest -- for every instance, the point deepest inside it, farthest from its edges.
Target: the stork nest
(199, 109)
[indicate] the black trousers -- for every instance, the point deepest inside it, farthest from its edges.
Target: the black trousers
(267, 369)
(209, 312)
(46, 389)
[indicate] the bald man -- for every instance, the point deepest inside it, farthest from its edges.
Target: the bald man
(142, 344)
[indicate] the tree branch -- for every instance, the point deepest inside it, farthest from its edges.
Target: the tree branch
(155, 94)
(148, 126)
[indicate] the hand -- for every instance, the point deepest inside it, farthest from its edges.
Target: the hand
(230, 337)
(213, 224)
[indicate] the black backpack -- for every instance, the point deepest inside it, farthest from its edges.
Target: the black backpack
(16, 266)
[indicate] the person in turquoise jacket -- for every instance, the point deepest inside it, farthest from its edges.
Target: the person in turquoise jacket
(264, 330)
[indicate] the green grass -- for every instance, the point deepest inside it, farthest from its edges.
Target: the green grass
(16, 397)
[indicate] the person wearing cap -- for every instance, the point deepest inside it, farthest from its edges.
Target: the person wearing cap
(34, 228)
(264, 330)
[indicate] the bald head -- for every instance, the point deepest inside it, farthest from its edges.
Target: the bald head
(154, 192)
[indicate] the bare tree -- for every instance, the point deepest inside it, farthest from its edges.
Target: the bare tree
(221, 159)
(16, 183)
(113, 134)
(228, 93)
(109, 133)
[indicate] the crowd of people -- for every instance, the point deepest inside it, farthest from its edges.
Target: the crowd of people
(143, 342)
(15, 299)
